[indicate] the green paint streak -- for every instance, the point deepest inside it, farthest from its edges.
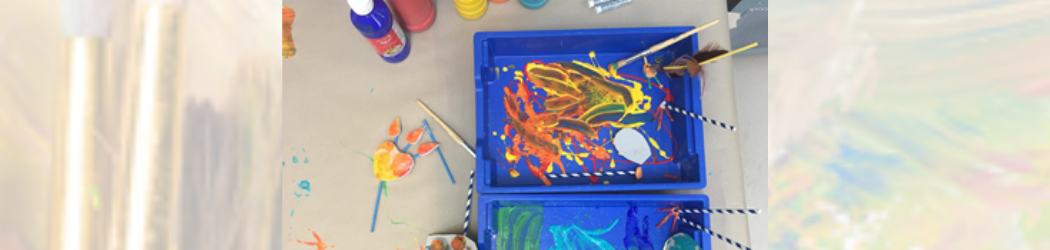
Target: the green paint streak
(392, 222)
(369, 157)
(341, 144)
(519, 227)
(383, 184)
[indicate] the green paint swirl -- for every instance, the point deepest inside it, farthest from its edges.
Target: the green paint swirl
(519, 227)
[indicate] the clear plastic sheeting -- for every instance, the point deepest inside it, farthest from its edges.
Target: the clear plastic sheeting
(161, 134)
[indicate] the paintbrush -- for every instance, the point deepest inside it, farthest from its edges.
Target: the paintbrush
(661, 45)
(447, 129)
(752, 45)
(664, 105)
(637, 173)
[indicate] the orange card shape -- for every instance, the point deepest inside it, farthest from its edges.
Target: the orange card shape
(426, 148)
(414, 136)
(395, 128)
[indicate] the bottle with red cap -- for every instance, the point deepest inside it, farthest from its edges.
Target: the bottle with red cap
(375, 21)
(415, 15)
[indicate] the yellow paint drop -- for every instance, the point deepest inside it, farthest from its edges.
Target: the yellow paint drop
(504, 69)
(606, 182)
(493, 133)
(657, 146)
(550, 168)
(612, 163)
(514, 173)
(510, 158)
(503, 137)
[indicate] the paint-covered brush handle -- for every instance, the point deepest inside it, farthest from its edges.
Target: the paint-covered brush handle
(708, 231)
(637, 173)
(698, 117)
(470, 194)
(721, 211)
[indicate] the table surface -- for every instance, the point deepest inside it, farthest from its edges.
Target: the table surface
(339, 98)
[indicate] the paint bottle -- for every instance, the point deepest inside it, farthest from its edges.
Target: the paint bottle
(416, 15)
(375, 21)
(471, 9)
(533, 4)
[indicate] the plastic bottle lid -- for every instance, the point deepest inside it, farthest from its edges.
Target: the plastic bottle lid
(533, 4)
(361, 7)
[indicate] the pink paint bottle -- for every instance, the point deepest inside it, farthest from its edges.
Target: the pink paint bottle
(415, 15)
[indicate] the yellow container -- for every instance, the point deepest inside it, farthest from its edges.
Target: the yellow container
(469, 5)
(473, 14)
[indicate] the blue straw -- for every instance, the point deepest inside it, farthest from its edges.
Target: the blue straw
(439, 151)
(376, 211)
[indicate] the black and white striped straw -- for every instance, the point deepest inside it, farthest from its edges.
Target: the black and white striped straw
(720, 211)
(708, 231)
(696, 116)
(470, 192)
(606, 173)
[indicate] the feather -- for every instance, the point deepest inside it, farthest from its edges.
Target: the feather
(710, 51)
(684, 64)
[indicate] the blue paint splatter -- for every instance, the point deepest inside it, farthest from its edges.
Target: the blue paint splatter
(373, 90)
(293, 212)
(306, 159)
(573, 237)
(708, 173)
(297, 195)
(304, 149)
(295, 160)
(282, 163)
(305, 185)
(635, 239)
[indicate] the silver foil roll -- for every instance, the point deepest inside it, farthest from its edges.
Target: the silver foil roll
(592, 3)
(610, 5)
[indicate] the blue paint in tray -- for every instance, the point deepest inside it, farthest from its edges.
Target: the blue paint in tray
(617, 221)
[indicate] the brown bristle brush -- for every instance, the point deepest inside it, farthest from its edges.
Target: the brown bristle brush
(709, 53)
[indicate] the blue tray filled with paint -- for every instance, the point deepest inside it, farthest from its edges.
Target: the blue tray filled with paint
(589, 221)
(549, 106)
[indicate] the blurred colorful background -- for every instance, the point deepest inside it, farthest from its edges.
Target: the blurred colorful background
(901, 124)
(139, 124)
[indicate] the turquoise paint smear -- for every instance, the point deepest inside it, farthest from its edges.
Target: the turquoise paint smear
(295, 160)
(293, 212)
(519, 227)
(305, 185)
(298, 195)
(681, 241)
(575, 238)
(282, 163)
(306, 159)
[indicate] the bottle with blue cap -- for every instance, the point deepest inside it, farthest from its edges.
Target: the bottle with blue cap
(375, 21)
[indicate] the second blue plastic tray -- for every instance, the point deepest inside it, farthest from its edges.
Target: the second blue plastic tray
(595, 221)
(506, 165)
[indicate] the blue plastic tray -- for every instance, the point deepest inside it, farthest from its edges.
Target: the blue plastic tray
(498, 56)
(565, 218)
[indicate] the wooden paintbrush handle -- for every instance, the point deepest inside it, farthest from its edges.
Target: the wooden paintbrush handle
(664, 44)
(442, 123)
